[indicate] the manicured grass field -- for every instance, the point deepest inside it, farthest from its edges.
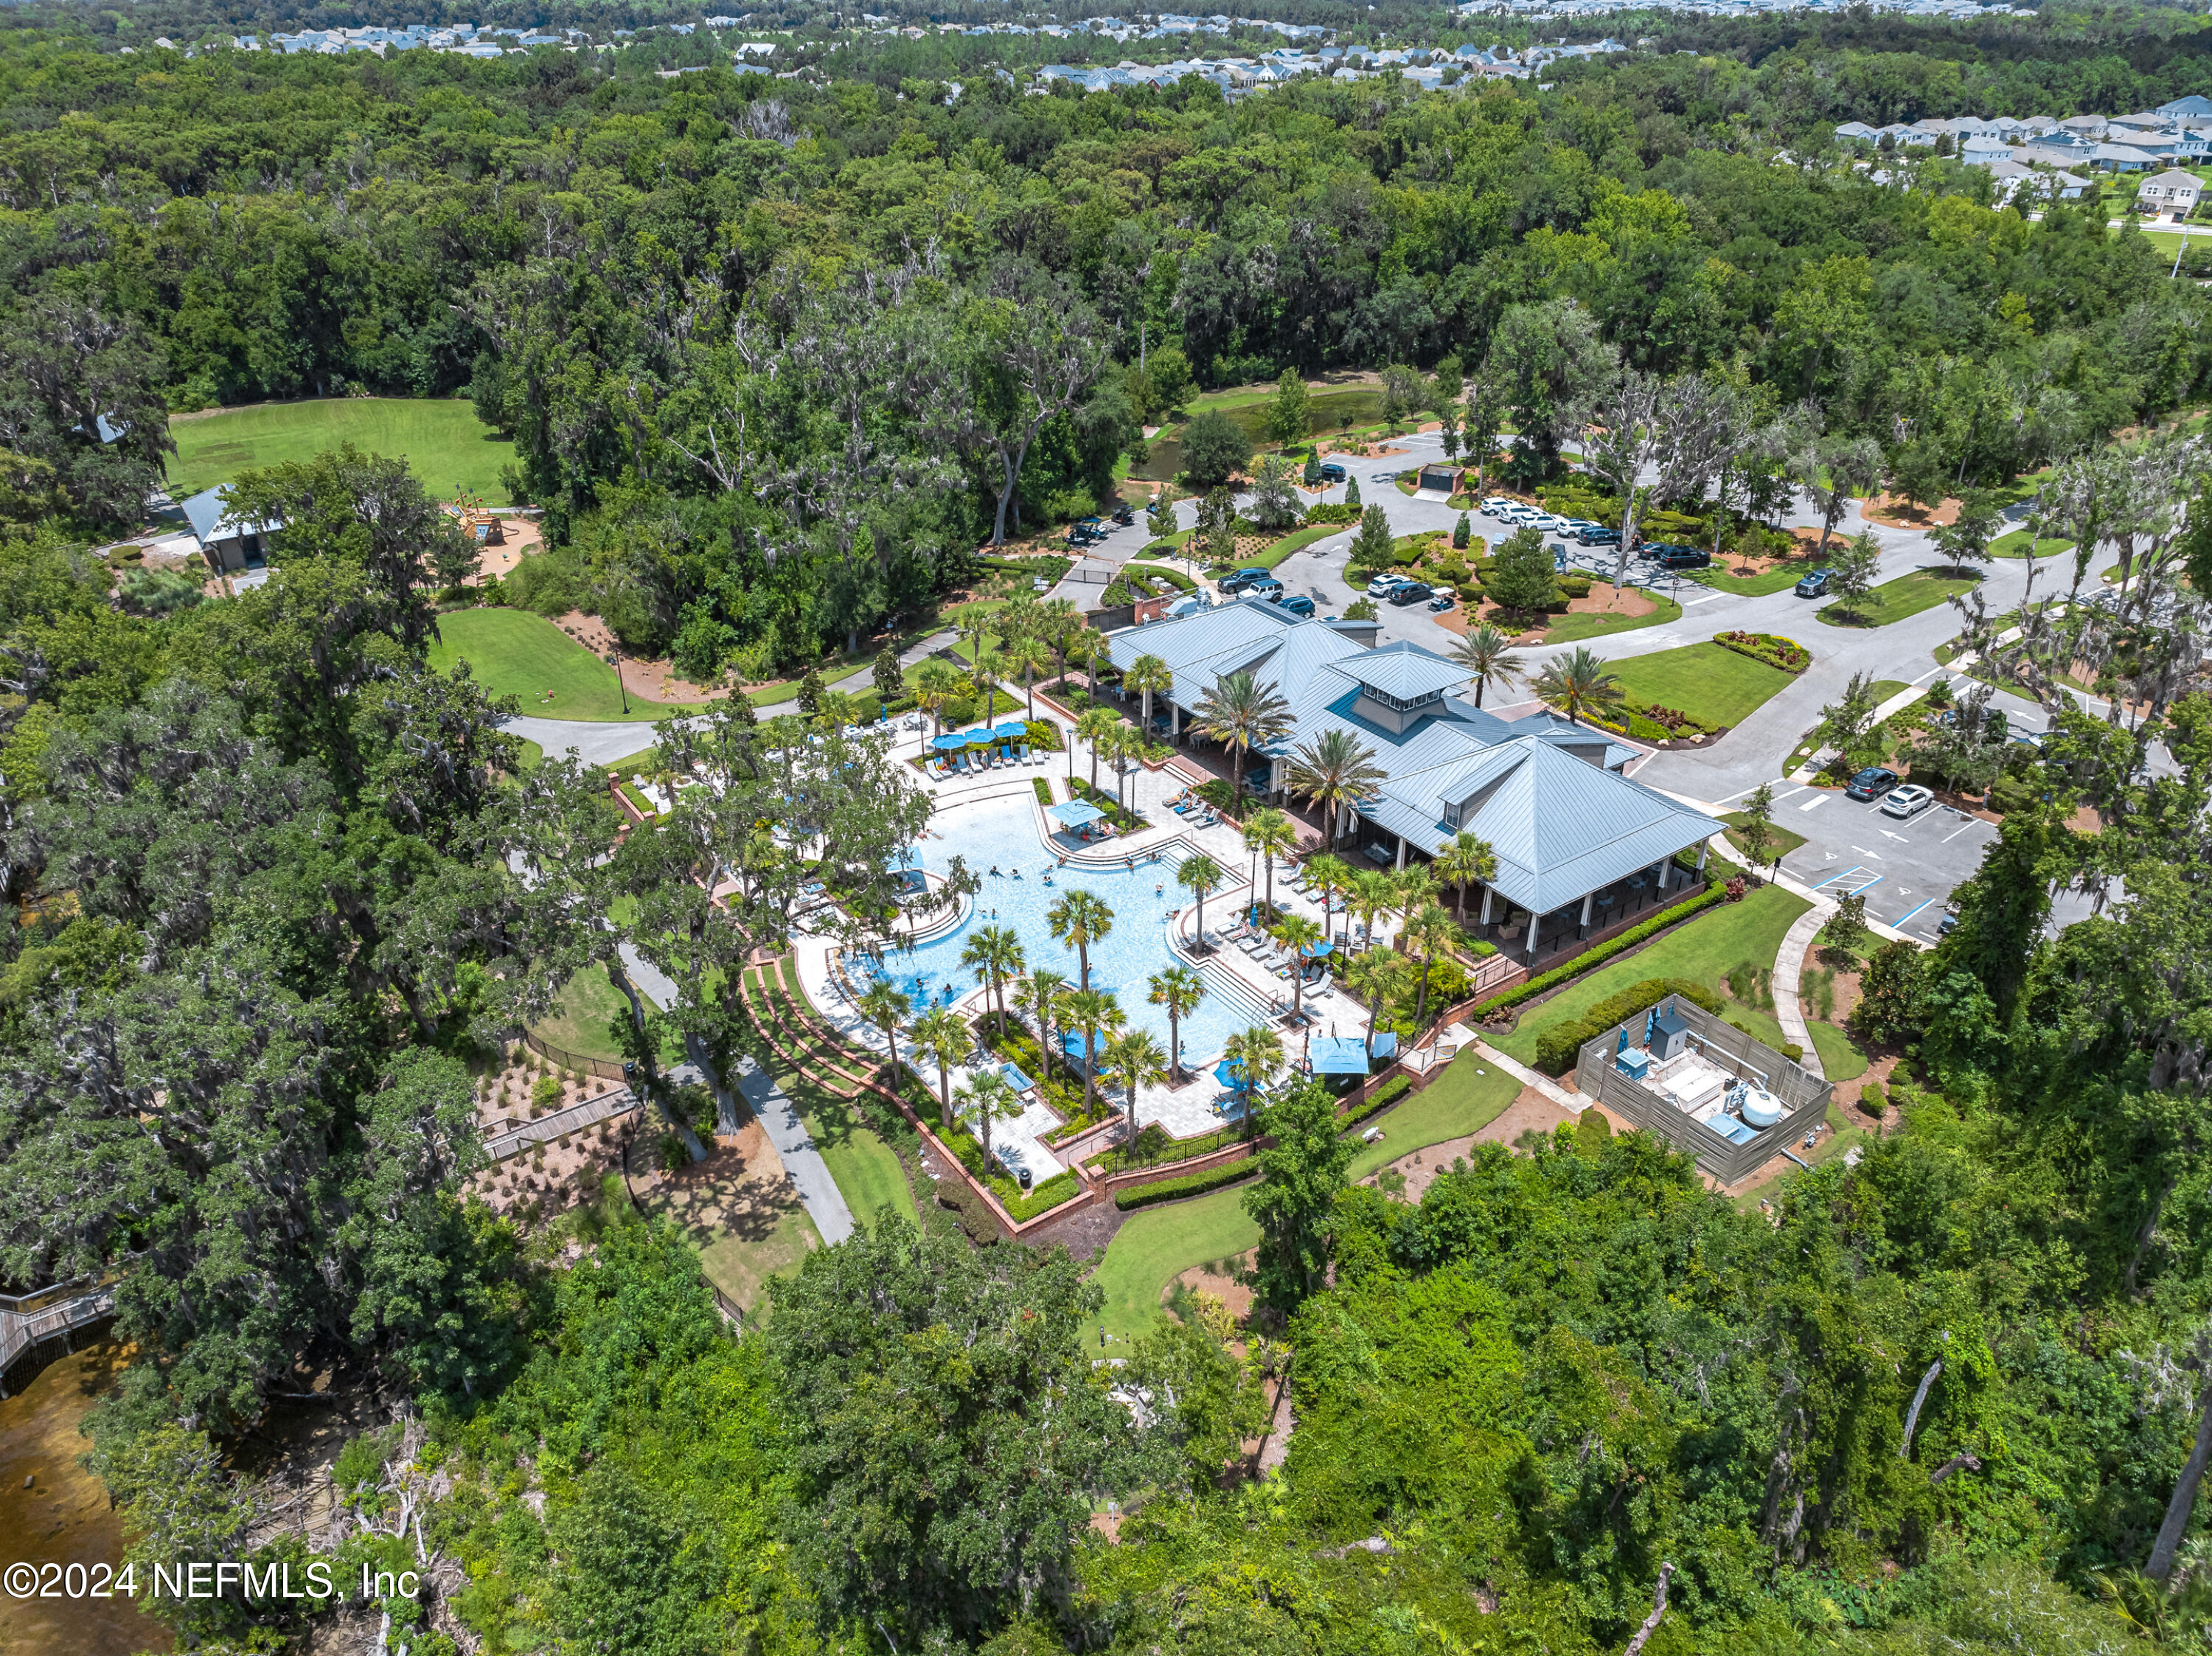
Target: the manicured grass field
(1569, 629)
(1703, 949)
(1892, 601)
(1841, 1059)
(2015, 545)
(1470, 1095)
(587, 1001)
(1157, 1243)
(1751, 586)
(1780, 842)
(1705, 680)
(1297, 541)
(866, 1169)
(449, 448)
(513, 653)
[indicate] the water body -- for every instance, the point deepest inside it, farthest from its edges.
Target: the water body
(1006, 837)
(63, 1515)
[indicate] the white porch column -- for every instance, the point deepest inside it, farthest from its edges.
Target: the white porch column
(1704, 850)
(1665, 866)
(1487, 894)
(1588, 897)
(1175, 721)
(1535, 924)
(1402, 850)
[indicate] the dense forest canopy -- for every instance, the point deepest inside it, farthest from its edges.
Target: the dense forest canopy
(778, 355)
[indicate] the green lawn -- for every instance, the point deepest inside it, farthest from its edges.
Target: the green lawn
(866, 1169)
(1156, 1244)
(1752, 586)
(1780, 842)
(1908, 595)
(1468, 1096)
(587, 1001)
(1568, 629)
(513, 653)
(1720, 686)
(741, 1266)
(1297, 541)
(1841, 1059)
(2015, 545)
(1703, 949)
(449, 448)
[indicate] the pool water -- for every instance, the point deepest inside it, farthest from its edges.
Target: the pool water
(1121, 962)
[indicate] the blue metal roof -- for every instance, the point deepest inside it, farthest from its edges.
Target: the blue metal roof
(1404, 670)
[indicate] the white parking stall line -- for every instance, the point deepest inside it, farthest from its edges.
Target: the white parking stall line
(1812, 804)
(1691, 604)
(1956, 831)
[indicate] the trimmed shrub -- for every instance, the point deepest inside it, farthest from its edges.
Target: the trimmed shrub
(1041, 1199)
(1575, 586)
(960, 710)
(1390, 1092)
(1597, 956)
(1872, 1099)
(1558, 1048)
(1043, 790)
(1770, 647)
(1191, 1184)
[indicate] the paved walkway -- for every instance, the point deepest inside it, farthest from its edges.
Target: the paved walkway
(594, 742)
(1789, 967)
(787, 1130)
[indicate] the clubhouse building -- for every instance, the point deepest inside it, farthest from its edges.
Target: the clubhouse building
(1581, 847)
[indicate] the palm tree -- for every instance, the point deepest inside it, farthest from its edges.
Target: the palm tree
(935, 683)
(1373, 893)
(1274, 834)
(1123, 743)
(1040, 993)
(994, 1100)
(1090, 1011)
(1295, 933)
(995, 953)
(1368, 976)
(1135, 1060)
(1336, 773)
(1199, 874)
(1466, 859)
(975, 623)
(1412, 889)
(1058, 621)
(990, 667)
(1079, 920)
(1147, 674)
(1330, 876)
(1241, 715)
(1179, 990)
(1257, 1052)
(941, 1035)
(886, 1008)
(1482, 652)
(1094, 726)
(1578, 684)
(1026, 654)
(1428, 934)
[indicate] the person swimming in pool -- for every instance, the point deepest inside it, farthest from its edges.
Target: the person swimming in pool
(1016, 872)
(994, 867)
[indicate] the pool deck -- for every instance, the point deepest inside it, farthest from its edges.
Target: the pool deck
(1195, 1107)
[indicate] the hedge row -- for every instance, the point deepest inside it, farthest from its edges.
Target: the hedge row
(1604, 952)
(1174, 577)
(1191, 1184)
(1383, 1098)
(1041, 1199)
(1043, 790)
(1557, 1049)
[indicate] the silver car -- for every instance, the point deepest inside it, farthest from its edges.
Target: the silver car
(1908, 801)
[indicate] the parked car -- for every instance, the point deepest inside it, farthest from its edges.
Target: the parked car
(1908, 801)
(1232, 583)
(1680, 557)
(1870, 783)
(1812, 584)
(1384, 583)
(1125, 514)
(1298, 605)
(1442, 602)
(1268, 589)
(1599, 536)
(1492, 505)
(1331, 472)
(1412, 591)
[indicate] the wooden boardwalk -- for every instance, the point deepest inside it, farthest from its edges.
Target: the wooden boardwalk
(585, 1112)
(49, 1315)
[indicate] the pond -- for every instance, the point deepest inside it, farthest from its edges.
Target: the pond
(1326, 411)
(63, 1516)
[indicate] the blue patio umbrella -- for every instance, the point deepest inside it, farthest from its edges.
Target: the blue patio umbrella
(949, 742)
(1014, 733)
(1075, 812)
(1318, 948)
(1230, 1073)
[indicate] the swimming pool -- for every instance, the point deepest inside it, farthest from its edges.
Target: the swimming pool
(1005, 837)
